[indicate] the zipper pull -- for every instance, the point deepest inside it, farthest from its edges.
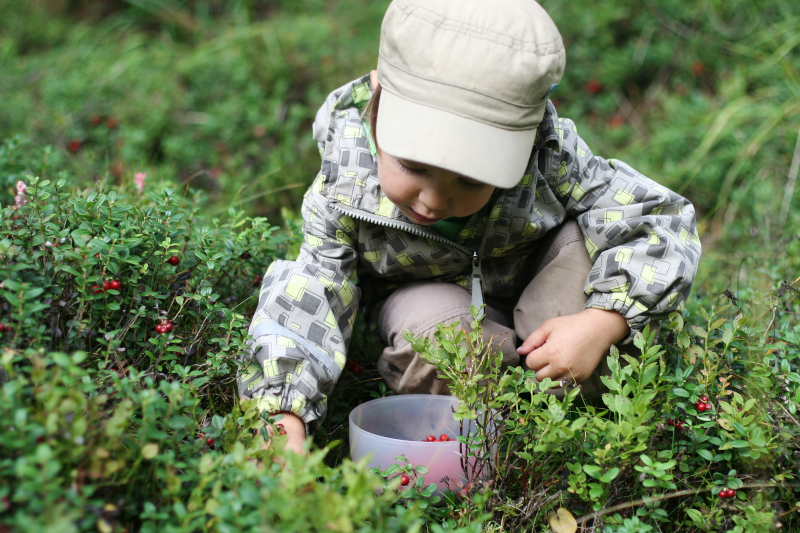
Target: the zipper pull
(477, 284)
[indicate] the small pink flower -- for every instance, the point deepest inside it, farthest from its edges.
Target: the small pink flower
(22, 194)
(138, 180)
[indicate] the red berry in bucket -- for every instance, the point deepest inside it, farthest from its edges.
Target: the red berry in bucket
(430, 438)
(444, 438)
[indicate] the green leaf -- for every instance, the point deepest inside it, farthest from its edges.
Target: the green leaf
(717, 323)
(705, 454)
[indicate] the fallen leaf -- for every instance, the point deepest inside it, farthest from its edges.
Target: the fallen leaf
(562, 521)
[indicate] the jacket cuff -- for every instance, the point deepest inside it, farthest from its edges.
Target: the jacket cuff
(288, 399)
(636, 319)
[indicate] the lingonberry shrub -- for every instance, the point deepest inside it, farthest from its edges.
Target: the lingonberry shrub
(100, 410)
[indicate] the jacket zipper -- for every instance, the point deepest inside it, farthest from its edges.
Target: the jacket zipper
(477, 273)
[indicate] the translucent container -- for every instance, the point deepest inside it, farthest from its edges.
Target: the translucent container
(384, 428)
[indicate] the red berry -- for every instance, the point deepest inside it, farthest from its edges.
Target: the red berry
(444, 438)
(167, 327)
(97, 256)
(210, 441)
(404, 480)
(95, 119)
(160, 328)
(174, 260)
(594, 87)
(40, 439)
(616, 121)
(115, 284)
(282, 432)
(430, 438)
(709, 406)
(106, 285)
(96, 289)
(74, 145)
(111, 123)
(2, 327)
(357, 369)
(731, 493)
(704, 398)
(700, 406)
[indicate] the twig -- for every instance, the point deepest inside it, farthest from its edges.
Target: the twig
(789, 414)
(678, 494)
(775, 306)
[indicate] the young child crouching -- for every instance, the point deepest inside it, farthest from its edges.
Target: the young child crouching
(448, 180)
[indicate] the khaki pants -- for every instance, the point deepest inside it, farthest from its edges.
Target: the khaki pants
(559, 271)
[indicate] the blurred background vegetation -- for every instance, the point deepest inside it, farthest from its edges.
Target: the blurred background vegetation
(702, 96)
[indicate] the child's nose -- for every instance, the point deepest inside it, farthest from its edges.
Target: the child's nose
(434, 198)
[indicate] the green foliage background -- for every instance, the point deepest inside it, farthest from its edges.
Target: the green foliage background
(214, 100)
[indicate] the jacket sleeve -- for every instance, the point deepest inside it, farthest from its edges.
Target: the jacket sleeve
(302, 326)
(641, 236)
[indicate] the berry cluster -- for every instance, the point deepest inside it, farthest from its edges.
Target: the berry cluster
(4, 327)
(164, 327)
(727, 493)
(442, 438)
(677, 424)
(703, 404)
(107, 285)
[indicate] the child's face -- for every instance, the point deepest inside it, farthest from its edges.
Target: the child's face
(428, 194)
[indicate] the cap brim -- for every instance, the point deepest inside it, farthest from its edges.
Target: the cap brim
(428, 135)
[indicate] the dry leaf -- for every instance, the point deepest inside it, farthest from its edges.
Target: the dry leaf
(562, 521)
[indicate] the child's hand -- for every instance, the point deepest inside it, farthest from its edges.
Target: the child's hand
(572, 346)
(295, 431)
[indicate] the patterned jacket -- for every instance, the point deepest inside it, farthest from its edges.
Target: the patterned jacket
(641, 236)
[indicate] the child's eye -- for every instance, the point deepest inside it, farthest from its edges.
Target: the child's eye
(469, 184)
(412, 171)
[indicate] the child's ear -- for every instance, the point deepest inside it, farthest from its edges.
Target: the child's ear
(373, 79)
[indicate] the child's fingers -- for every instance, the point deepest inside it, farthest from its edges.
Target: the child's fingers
(539, 359)
(534, 340)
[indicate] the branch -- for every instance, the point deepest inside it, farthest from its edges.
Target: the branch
(680, 493)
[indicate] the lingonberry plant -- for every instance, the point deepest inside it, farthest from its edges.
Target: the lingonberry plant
(615, 460)
(117, 372)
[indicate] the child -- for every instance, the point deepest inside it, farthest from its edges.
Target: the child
(447, 180)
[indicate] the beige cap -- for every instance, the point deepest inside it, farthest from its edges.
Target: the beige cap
(465, 83)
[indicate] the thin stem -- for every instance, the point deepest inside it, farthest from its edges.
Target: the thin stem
(648, 500)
